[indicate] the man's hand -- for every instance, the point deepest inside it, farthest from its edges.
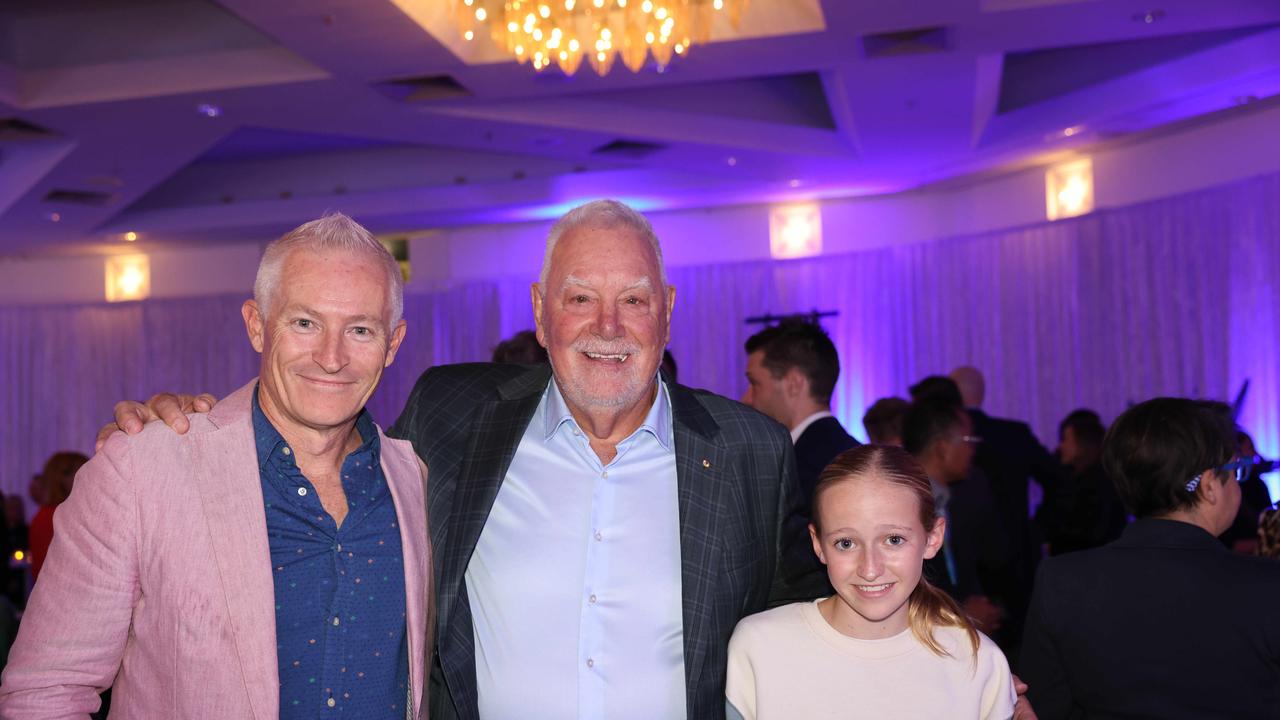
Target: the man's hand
(1022, 709)
(985, 614)
(130, 416)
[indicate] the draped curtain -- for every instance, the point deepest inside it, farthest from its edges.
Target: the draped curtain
(1173, 297)
(65, 367)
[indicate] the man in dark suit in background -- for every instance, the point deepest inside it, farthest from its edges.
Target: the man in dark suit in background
(973, 564)
(792, 370)
(1010, 456)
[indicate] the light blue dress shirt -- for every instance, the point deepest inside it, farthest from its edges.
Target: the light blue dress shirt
(574, 585)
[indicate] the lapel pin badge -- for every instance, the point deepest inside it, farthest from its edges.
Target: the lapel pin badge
(706, 463)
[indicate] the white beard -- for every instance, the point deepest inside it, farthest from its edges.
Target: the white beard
(580, 393)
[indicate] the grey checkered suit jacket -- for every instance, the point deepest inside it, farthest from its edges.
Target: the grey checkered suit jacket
(738, 509)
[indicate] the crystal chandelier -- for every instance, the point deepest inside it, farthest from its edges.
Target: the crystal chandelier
(564, 32)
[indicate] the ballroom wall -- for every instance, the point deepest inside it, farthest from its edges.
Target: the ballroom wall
(1233, 146)
(1169, 289)
(1186, 159)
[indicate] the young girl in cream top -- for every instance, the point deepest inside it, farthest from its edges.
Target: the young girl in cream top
(887, 644)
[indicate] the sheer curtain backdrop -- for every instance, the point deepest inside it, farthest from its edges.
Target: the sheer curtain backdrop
(65, 367)
(1177, 296)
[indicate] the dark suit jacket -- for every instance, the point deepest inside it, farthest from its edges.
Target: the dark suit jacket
(1162, 623)
(1010, 455)
(736, 488)
(816, 447)
(978, 545)
(1083, 512)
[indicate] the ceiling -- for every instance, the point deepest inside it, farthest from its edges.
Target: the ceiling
(192, 121)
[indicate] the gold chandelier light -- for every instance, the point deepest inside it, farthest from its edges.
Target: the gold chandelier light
(564, 32)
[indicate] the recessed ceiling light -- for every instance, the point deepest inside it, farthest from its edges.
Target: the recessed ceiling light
(1148, 17)
(1073, 130)
(130, 236)
(55, 217)
(209, 110)
(794, 183)
(732, 161)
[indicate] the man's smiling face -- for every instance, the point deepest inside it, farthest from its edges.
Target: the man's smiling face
(604, 316)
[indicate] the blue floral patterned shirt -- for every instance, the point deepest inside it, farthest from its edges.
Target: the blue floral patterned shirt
(339, 591)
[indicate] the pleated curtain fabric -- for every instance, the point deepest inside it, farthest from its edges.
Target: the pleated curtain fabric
(1178, 296)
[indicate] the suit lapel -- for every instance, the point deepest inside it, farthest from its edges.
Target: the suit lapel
(231, 495)
(405, 479)
(700, 461)
(495, 429)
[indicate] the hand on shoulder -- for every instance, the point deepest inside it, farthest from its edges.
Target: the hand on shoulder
(131, 416)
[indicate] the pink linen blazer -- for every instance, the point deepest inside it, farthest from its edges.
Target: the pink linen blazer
(159, 582)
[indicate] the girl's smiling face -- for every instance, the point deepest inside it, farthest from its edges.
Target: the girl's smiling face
(870, 536)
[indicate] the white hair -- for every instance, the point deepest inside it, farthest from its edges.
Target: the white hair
(606, 214)
(334, 231)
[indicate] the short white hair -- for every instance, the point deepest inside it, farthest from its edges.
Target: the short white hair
(334, 231)
(601, 213)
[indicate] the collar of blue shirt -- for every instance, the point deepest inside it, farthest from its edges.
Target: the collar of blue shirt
(657, 422)
(268, 439)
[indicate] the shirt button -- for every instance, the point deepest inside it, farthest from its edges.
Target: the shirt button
(599, 537)
(605, 474)
(302, 491)
(335, 618)
(592, 599)
(287, 451)
(331, 702)
(590, 663)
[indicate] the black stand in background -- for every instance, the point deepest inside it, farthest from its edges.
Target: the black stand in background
(812, 316)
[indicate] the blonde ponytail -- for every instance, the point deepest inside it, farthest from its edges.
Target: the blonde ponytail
(929, 608)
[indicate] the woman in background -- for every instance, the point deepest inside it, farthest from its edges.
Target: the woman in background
(56, 480)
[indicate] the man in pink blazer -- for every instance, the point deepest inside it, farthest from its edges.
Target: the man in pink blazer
(273, 561)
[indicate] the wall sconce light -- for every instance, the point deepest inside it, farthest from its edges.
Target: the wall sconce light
(795, 231)
(128, 278)
(1069, 189)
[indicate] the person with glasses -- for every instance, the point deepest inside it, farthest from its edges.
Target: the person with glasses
(1164, 622)
(1242, 536)
(972, 566)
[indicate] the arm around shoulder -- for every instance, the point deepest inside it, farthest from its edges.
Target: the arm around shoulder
(76, 624)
